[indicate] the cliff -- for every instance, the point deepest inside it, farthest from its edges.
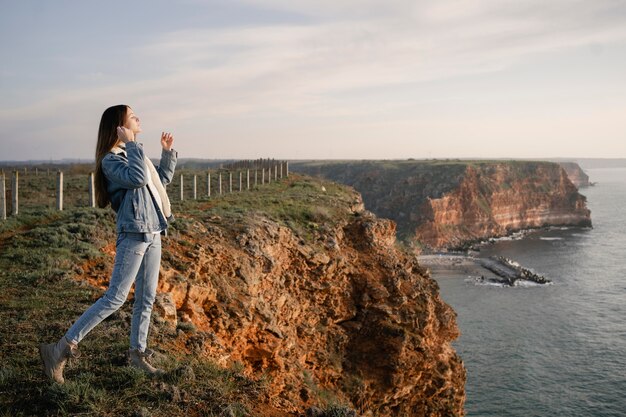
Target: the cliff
(576, 175)
(448, 204)
(303, 287)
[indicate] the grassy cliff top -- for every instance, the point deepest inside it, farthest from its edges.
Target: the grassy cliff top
(399, 163)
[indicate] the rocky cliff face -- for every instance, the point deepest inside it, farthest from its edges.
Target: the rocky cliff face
(333, 308)
(576, 175)
(448, 204)
(494, 200)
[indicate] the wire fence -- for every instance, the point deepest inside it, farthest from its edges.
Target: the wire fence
(45, 188)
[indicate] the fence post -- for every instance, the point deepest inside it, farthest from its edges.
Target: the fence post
(14, 192)
(220, 182)
(281, 170)
(247, 179)
(255, 178)
(36, 172)
(92, 191)
(275, 172)
(195, 196)
(240, 182)
(262, 176)
(182, 196)
(287, 168)
(3, 199)
(208, 184)
(230, 182)
(60, 190)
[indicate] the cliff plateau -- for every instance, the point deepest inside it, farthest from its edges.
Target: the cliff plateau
(301, 285)
(449, 204)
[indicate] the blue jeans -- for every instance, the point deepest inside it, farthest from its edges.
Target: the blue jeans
(137, 259)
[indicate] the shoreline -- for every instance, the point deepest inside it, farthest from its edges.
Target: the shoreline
(473, 246)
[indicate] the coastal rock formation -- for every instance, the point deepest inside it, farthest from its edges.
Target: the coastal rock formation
(495, 200)
(576, 175)
(448, 204)
(333, 308)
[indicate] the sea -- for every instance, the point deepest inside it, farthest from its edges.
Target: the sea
(550, 350)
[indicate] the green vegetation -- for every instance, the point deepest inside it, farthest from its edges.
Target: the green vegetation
(302, 203)
(402, 163)
(42, 251)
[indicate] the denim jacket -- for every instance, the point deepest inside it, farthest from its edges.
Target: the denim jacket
(126, 175)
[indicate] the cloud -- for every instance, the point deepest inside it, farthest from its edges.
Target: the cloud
(319, 69)
(293, 67)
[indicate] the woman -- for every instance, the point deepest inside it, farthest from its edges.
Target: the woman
(128, 180)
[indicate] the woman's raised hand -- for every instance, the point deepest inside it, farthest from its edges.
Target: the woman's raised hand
(125, 135)
(167, 140)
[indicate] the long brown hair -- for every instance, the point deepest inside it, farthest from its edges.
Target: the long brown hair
(107, 138)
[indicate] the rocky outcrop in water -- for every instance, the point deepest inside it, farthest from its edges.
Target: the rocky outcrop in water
(450, 204)
(510, 272)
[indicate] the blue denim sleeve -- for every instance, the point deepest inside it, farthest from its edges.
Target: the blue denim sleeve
(167, 166)
(129, 173)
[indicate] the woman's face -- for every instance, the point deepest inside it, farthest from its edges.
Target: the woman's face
(132, 122)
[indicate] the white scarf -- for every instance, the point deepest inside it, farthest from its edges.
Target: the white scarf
(156, 187)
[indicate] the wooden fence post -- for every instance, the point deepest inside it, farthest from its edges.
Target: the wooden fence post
(281, 170)
(275, 172)
(247, 179)
(230, 182)
(92, 191)
(3, 199)
(263, 176)
(255, 177)
(195, 196)
(240, 182)
(182, 195)
(14, 192)
(60, 190)
(208, 184)
(287, 168)
(220, 182)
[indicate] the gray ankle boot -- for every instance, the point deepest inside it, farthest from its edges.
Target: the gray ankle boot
(54, 357)
(137, 359)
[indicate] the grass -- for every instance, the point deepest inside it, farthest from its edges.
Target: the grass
(41, 253)
(303, 204)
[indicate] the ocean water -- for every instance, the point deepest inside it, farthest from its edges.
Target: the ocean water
(553, 350)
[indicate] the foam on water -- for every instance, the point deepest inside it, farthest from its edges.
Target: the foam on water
(520, 283)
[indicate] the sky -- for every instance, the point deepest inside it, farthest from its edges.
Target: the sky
(348, 79)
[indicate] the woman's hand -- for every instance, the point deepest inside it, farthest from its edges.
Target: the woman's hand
(125, 135)
(167, 140)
